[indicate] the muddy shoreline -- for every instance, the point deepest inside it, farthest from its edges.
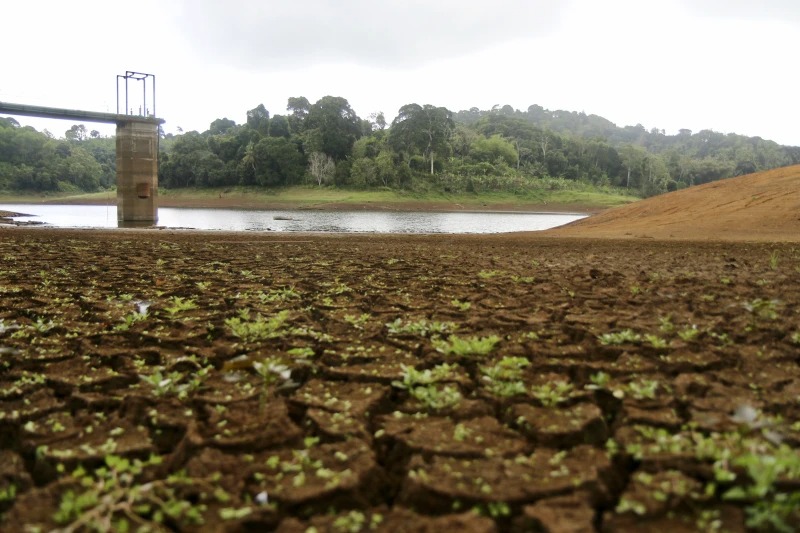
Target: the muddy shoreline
(259, 202)
(462, 382)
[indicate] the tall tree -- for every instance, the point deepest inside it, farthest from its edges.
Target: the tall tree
(221, 125)
(258, 119)
(277, 161)
(334, 125)
(321, 167)
(279, 127)
(425, 128)
(298, 107)
(76, 133)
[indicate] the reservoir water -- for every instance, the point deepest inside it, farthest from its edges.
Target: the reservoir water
(96, 216)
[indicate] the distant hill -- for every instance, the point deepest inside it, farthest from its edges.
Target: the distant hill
(690, 158)
(761, 207)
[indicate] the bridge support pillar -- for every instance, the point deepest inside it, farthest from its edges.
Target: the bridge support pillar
(137, 171)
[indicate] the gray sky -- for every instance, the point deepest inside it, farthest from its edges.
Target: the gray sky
(725, 65)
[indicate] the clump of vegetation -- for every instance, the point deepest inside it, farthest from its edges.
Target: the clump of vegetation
(423, 385)
(436, 397)
(421, 327)
(626, 336)
(503, 379)
(764, 309)
(553, 393)
(413, 377)
(488, 274)
(179, 305)
(460, 305)
(258, 328)
(113, 498)
(175, 383)
(751, 466)
(467, 346)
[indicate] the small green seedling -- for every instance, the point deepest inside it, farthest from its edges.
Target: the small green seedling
(466, 347)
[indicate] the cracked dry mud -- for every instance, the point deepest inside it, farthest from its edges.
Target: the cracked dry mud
(210, 381)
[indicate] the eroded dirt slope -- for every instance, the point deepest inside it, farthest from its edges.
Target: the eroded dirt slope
(758, 207)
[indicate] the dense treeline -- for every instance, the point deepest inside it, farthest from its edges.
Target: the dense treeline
(327, 143)
(30, 160)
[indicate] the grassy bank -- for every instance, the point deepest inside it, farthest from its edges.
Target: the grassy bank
(331, 198)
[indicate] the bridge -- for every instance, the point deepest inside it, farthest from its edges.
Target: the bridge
(137, 151)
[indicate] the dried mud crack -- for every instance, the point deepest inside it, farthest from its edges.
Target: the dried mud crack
(219, 382)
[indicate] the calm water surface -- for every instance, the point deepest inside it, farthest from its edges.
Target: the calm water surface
(94, 216)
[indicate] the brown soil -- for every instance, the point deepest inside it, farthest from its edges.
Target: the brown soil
(757, 207)
(559, 427)
(245, 382)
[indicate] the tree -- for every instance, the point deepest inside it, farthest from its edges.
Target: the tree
(191, 163)
(220, 126)
(8, 122)
(378, 121)
(333, 126)
(225, 146)
(462, 139)
(657, 176)
(493, 150)
(76, 133)
(81, 170)
(633, 158)
(424, 128)
(279, 127)
(298, 106)
(258, 119)
(321, 167)
(277, 161)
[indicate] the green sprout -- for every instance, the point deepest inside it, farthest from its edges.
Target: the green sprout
(436, 398)
(503, 378)
(774, 260)
(422, 327)
(688, 334)
(259, 328)
(180, 305)
(626, 336)
(599, 381)
(357, 321)
(552, 393)
(766, 309)
(460, 305)
(466, 347)
(112, 498)
(413, 377)
(655, 341)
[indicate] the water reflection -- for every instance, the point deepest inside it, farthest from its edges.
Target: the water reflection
(74, 216)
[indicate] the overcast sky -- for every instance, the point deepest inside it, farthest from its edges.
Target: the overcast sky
(726, 65)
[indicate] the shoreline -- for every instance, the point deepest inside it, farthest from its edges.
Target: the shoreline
(420, 205)
(343, 200)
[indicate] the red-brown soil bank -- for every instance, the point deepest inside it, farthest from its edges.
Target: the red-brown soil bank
(756, 207)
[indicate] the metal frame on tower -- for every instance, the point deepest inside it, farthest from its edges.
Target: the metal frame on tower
(142, 77)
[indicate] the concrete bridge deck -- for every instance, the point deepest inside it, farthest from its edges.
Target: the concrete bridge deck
(74, 114)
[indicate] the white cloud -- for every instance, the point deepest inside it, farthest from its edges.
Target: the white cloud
(699, 64)
(783, 10)
(382, 33)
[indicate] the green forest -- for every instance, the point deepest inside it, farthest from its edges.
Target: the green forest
(424, 148)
